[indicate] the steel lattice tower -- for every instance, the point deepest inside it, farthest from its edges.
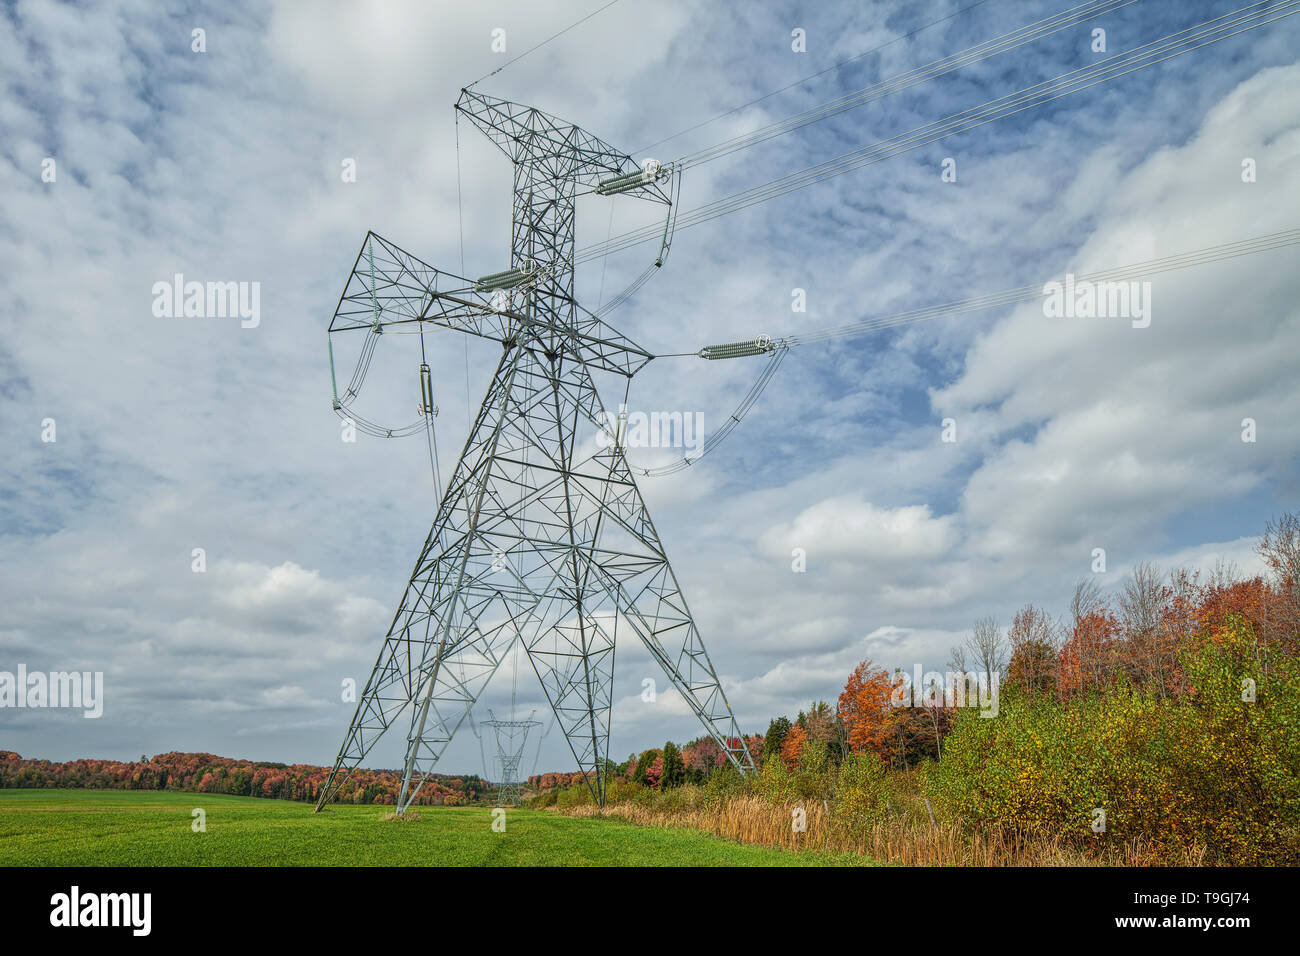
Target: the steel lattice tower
(512, 737)
(541, 534)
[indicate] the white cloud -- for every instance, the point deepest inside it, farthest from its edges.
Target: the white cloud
(181, 434)
(856, 530)
(1130, 426)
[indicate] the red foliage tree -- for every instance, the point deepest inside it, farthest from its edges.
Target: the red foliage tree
(1091, 658)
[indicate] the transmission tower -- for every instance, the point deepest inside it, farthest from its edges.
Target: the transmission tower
(512, 737)
(541, 535)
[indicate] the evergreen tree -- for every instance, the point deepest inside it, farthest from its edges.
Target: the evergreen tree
(674, 770)
(774, 739)
(643, 764)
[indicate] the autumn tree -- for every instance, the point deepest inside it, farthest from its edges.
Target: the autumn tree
(644, 764)
(1279, 546)
(1091, 657)
(937, 716)
(700, 757)
(1280, 549)
(1150, 650)
(865, 708)
(1032, 636)
(793, 746)
(913, 732)
(1142, 600)
(821, 723)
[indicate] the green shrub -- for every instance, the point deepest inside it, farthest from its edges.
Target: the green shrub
(575, 796)
(814, 775)
(721, 783)
(679, 799)
(618, 790)
(543, 800)
(863, 795)
(1208, 770)
(775, 783)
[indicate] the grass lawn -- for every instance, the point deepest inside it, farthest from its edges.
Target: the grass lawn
(146, 828)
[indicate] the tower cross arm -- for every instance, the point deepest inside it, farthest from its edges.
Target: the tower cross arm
(530, 136)
(604, 347)
(388, 286)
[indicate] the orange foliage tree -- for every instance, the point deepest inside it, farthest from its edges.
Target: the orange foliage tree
(866, 710)
(792, 749)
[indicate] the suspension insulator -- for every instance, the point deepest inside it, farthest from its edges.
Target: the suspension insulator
(426, 391)
(507, 279)
(759, 346)
(628, 181)
(334, 382)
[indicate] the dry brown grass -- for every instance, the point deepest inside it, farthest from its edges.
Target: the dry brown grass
(409, 815)
(752, 819)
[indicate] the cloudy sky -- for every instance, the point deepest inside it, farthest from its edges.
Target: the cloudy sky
(173, 434)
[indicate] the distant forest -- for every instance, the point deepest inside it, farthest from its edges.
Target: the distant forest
(208, 773)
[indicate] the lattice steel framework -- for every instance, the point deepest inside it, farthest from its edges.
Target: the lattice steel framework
(512, 737)
(542, 534)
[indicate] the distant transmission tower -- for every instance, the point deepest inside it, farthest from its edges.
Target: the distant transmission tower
(512, 737)
(541, 535)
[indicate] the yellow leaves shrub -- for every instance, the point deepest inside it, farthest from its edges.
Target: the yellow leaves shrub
(1208, 771)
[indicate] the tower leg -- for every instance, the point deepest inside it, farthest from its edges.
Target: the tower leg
(531, 543)
(640, 582)
(444, 641)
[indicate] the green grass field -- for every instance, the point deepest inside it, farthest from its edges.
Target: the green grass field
(146, 828)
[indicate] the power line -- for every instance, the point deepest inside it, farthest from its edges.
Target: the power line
(942, 67)
(811, 76)
(543, 43)
(1183, 41)
(1002, 107)
(1229, 250)
(1204, 34)
(780, 347)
